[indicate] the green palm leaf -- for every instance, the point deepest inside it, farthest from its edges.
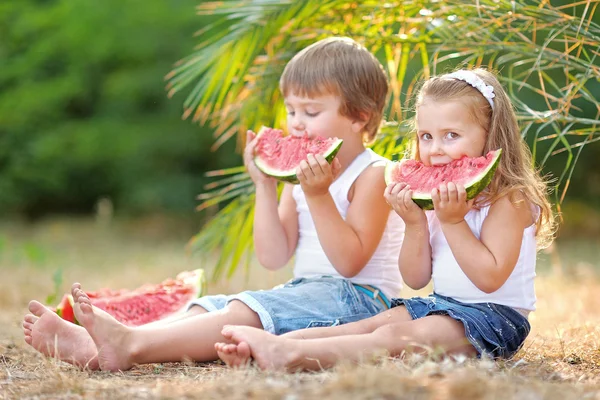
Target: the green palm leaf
(546, 56)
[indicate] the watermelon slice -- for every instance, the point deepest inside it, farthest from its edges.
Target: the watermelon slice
(279, 156)
(473, 173)
(146, 304)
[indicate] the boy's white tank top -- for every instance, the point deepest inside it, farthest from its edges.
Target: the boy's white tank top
(449, 279)
(310, 260)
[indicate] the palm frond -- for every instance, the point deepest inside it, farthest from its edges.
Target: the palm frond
(546, 57)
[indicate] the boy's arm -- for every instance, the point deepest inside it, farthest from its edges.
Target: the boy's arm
(349, 244)
(275, 227)
(489, 261)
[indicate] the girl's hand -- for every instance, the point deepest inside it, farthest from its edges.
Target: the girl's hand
(316, 174)
(399, 196)
(255, 174)
(450, 203)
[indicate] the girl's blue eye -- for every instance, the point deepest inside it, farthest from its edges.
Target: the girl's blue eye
(290, 113)
(312, 114)
(426, 136)
(452, 135)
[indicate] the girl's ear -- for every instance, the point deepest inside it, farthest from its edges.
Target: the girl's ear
(358, 125)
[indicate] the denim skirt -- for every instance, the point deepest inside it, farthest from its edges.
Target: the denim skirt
(494, 330)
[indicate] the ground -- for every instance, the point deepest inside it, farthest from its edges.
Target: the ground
(560, 360)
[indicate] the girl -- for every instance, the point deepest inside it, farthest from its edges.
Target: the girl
(344, 236)
(480, 254)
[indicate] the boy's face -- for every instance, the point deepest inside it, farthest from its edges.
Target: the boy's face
(318, 116)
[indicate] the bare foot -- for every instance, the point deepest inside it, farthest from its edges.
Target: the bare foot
(52, 336)
(234, 355)
(270, 352)
(110, 336)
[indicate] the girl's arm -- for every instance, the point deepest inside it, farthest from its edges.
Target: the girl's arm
(275, 227)
(488, 261)
(349, 244)
(415, 254)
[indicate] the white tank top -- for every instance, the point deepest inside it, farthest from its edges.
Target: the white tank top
(449, 280)
(382, 269)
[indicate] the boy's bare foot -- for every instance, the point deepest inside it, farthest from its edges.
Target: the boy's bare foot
(270, 352)
(110, 336)
(234, 355)
(52, 336)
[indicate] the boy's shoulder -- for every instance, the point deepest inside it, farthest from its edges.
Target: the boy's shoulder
(374, 173)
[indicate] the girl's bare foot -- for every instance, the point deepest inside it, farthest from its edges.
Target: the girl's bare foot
(52, 336)
(234, 355)
(270, 352)
(112, 338)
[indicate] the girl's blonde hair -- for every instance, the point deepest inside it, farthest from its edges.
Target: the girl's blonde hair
(515, 176)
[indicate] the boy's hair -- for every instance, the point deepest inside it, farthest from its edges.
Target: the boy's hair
(515, 176)
(342, 67)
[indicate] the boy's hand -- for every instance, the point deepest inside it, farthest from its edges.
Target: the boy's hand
(316, 174)
(399, 196)
(255, 174)
(450, 203)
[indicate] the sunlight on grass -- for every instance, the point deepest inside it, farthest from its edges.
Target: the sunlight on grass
(560, 360)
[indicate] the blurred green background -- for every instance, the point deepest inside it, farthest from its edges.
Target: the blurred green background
(87, 128)
(84, 114)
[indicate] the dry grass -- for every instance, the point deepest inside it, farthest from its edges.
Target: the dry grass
(561, 359)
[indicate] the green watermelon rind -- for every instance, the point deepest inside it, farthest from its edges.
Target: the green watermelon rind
(200, 285)
(290, 175)
(473, 187)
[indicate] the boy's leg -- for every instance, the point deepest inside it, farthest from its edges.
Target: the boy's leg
(395, 338)
(52, 336)
(120, 347)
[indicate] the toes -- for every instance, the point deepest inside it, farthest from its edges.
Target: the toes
(37, 308)
(229, 348)
(27, 325)
(227, 331)
(86, 307)
(28, 339)
(74, 288)
(30, 318)
(81, 297)
(243, 350)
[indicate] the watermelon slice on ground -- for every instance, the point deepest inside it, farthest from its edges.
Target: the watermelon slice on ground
(279, 156)
(474, 173)
(146, 304)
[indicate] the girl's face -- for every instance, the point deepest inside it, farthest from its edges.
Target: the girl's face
(319, 116)
(446, 131)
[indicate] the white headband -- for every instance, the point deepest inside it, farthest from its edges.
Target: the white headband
(472, 79)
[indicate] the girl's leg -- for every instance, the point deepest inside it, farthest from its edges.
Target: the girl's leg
(367, 325)
(394, 339)
(236, 355)
(120, 347)
(52, 336)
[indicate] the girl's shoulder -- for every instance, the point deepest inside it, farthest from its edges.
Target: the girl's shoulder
(514, 206)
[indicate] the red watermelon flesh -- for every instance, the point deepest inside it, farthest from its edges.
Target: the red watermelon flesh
(146, 304)
(474, 173)
(279, 156)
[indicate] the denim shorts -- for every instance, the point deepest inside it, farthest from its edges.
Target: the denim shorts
(494, 330)
(302, 303)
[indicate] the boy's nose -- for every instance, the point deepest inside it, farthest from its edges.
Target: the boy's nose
(298, 126)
